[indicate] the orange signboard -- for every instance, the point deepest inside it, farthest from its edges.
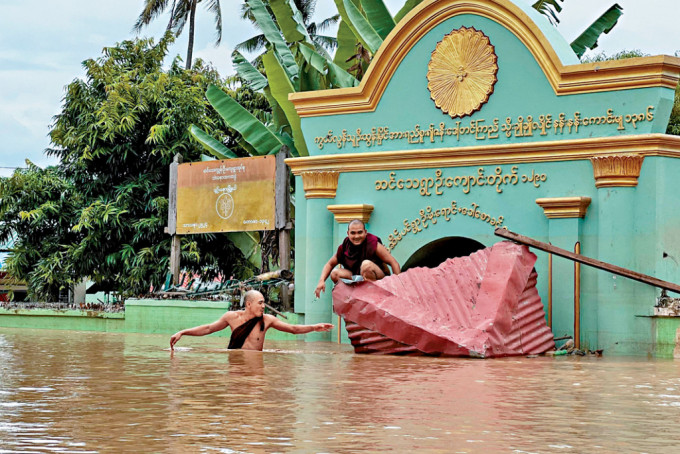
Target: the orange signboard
(231, 195)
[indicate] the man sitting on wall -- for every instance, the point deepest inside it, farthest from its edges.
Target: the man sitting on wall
(361, 253)
(248, 326)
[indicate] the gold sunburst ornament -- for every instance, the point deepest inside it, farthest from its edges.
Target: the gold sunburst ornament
(462, 72)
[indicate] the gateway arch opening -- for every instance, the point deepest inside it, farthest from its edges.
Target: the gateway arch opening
(436, 252)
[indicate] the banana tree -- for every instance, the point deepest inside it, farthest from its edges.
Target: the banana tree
(292, 63)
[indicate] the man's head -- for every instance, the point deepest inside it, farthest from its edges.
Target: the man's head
(254, 302)
(356, 232)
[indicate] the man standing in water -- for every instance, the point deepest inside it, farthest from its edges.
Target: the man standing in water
(248, 326)
(361, 253)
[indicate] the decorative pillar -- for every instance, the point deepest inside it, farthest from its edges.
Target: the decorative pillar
(565, 222)
(616, 177)
(318, 236)
(346, 213)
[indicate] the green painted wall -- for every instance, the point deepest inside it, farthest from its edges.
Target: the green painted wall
(141, 316)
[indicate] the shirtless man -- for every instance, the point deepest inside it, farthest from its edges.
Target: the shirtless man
(248, 326)
(360, 253)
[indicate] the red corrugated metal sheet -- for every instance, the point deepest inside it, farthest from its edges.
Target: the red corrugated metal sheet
(483, 305)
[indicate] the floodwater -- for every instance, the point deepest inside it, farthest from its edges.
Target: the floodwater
(83, 392)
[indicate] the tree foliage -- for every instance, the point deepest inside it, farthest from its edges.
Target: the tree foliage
(100, 214)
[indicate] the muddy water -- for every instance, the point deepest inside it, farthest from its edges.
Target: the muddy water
(91, 392)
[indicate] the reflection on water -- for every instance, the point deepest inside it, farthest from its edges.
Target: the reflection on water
(91, 392)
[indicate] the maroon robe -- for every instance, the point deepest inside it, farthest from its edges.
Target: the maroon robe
(351, 256)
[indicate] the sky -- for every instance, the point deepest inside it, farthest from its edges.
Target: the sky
(43, 44)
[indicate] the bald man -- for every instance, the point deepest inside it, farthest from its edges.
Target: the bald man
(248, 326)
(361, 253)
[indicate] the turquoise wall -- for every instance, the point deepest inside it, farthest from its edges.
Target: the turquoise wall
(522, 90)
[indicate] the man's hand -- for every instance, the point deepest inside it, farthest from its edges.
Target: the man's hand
(320, 288)
(173, 340)
(323, 327)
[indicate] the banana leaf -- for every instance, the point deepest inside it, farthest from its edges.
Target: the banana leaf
(212, 145)
(366, 32)
(273, 35)
(248, 72)
(278, 115)
(604, 24)
(347, 44)
(378, 16)
(340, 4)
(251, 129)
(408, 6)
(290, 21)
(249, 245)
(549, 8)
(281, 87)
(339, 78)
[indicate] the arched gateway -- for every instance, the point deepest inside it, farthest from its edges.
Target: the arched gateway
(477, 114)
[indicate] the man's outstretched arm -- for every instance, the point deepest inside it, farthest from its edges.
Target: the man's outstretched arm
(325, 272)
(201, 330)
(299, 329)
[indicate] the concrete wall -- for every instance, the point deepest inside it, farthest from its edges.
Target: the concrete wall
(141, 316)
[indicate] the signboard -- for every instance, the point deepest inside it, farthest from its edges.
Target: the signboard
(231, 195)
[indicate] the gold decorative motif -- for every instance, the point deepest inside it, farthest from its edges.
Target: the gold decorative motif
(346, 213)
(462, 72)
(564, 207)
(621, 170)
(320, 184)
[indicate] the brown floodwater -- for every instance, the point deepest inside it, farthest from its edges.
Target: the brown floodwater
(81, 392)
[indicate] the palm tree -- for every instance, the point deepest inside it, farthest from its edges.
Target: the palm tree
(181, 11)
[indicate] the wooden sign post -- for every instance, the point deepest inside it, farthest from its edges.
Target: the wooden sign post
(234, 195)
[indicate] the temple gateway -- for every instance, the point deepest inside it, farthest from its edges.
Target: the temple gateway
(477, 115)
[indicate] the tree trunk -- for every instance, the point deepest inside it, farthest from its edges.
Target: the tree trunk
(190, 46)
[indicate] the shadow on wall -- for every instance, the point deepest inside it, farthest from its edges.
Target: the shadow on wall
(436, 252)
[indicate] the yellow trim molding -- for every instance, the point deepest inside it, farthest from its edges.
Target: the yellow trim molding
(549, 151)
(564, 207)
(657, 71)
(320, 184)
(620, 170)
(346, 213)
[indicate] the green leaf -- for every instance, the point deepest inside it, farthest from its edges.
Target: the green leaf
(238, 118)
(347, 46)
(212, 145)
(408, 6)
(549, 8)
(378, 16)
(273, 35)
(281, 87)
(366, 32)
(249, 245)
(290, 21)
(604, 24)
(278, 115)
(339, 78)
(340, 4)
(247, 71)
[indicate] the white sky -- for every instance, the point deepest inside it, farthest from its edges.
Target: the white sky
(43, 42)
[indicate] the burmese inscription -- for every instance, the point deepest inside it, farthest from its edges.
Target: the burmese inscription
(483, 129)
(438, 183)
(431, 216)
